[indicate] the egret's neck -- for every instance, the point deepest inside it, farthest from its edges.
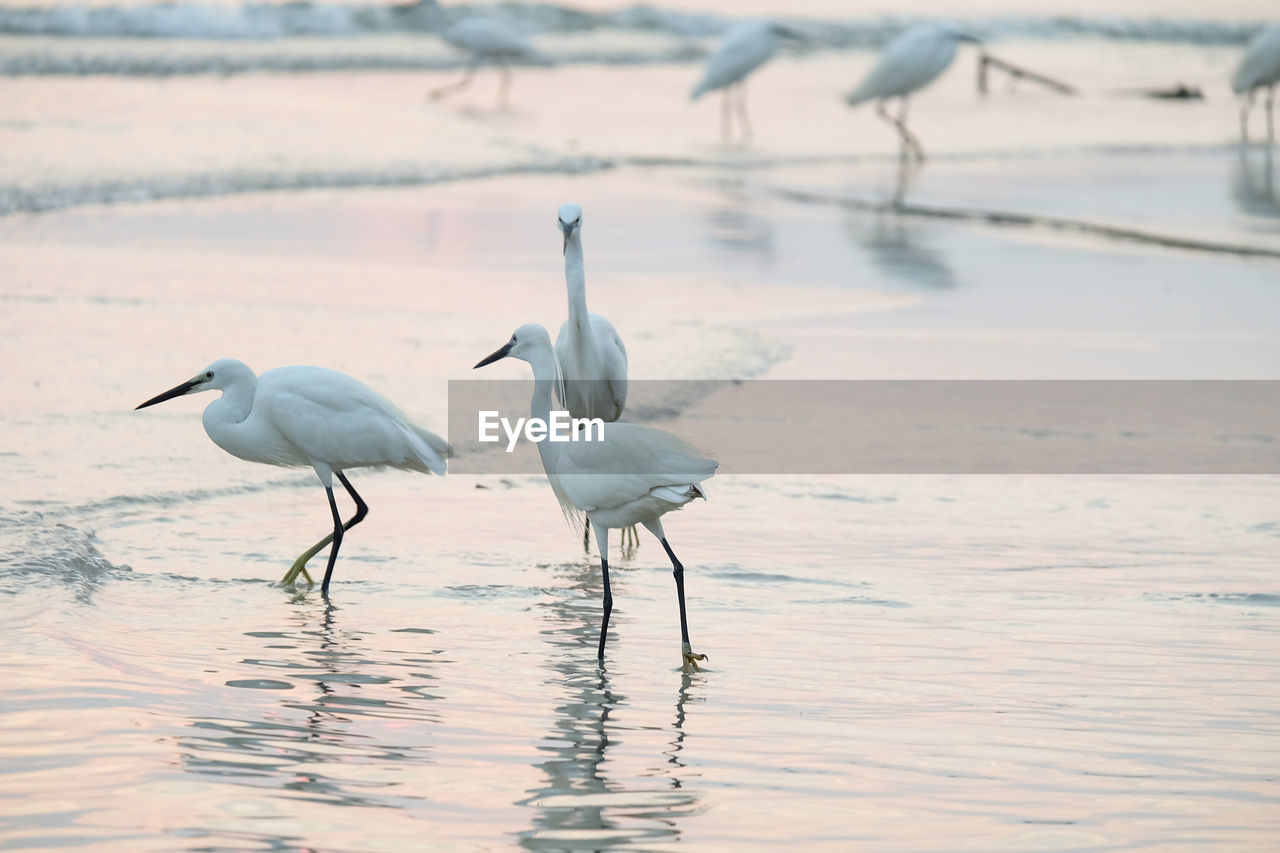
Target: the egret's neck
(545, 378)
(225, 413)
(575, 276)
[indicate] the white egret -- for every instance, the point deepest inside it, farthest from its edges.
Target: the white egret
(745, 47)
(910, 62)
(633, 475)
(1259, 68)
(592, 358)
(310, 416)
(486, 40)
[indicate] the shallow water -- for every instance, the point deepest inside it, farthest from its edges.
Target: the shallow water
(896, 662)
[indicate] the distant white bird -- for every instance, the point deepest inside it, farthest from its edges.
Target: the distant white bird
(745, 47)
(591, 354)
(310, 416)
(910, 62)
(592, 357)
(487, 40)
(1259, 68)
(634, 475)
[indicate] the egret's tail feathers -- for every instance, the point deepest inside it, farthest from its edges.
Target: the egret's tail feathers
(678, 494)
(430, 449)
(699, 90)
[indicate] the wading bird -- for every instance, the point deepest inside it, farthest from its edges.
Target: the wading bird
(310, 416)
(634, 475)
(910, 62)
(486, 40)
(592, 358)
(744, 48)
(1260, 68)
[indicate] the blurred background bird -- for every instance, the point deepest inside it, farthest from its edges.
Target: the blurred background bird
(487, 41)
(745, 47)
(910, 62)
(1259, 68)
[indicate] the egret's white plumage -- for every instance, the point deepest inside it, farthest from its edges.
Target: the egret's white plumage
(1259, 68)
(634, 475)
(592, 357)
(487, 40)
(910, 62)
(310, 417)
(744, 47)
(593, 360)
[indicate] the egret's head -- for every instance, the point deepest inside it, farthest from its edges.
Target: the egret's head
(528, 339)
(570, 221)
(215, 377)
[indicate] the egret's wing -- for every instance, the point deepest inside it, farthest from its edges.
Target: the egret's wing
(333, 418)
(744, 48)
(1260, 65)
(909, 62)
(631, 462)
(615, 364)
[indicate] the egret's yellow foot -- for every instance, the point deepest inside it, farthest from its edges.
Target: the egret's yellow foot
(299, 566)
(691, 659)
(293, 574)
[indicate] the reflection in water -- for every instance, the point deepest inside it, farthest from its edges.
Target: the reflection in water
(897, 249)
(1253, 183)
(908, 168)
(300, 746)
(734, 226)
(580, 807)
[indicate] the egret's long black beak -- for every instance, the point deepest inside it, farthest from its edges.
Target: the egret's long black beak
(175, 391)
(490, 359)
(564, 250)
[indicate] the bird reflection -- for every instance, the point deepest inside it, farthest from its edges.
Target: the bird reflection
(355, 716)
(734, 226)
(1253, 183)
(675, 762)
(897, 250)
(580, 807)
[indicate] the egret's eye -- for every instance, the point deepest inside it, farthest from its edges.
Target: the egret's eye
(513, 339)
(209, 375)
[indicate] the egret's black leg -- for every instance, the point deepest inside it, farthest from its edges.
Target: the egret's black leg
(1245, 108)
(362, 508)
(602, 540)
(299, 566)
(586, 533)
(337, 539)
(608, 603)
(690, 658)
(678, 571)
